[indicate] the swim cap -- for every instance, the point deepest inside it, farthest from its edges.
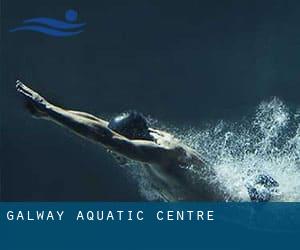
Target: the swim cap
(132, 125)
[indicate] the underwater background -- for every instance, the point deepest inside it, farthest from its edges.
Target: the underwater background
(222, 75)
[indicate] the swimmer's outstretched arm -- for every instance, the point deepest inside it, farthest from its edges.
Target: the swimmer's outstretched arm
(95, 129)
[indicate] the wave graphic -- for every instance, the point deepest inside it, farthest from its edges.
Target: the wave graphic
(48, 31)
(53, 27)
(268, 141)
(53, 23)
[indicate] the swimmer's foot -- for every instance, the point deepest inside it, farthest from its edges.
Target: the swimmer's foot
(34, 103)
(263, 188)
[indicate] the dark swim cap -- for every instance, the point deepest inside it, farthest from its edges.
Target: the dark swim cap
(132, 125)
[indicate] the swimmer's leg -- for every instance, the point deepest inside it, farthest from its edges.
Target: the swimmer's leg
(263, 188)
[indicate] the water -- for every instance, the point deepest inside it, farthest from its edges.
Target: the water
(268, 141)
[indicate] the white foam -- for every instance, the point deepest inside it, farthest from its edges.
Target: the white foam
(268, 142)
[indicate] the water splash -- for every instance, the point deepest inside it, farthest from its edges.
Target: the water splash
(267, 142)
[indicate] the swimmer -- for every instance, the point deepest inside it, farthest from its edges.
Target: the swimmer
(129, 136)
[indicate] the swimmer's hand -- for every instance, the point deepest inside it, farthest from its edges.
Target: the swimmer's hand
(35, 103)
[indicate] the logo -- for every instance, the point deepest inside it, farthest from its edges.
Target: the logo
(53, 27)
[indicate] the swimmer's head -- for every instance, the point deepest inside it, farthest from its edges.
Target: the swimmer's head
(132, 125)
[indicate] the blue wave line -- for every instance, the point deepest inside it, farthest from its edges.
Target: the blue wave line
(47, 31)
(53, 23)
